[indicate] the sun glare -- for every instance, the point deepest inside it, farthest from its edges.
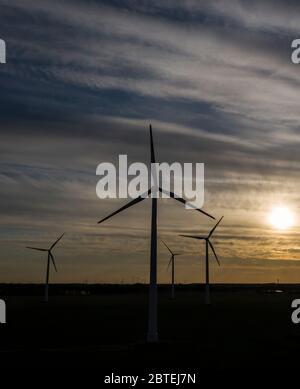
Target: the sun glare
(281, 218)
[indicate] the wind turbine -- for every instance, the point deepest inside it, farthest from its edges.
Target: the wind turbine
(171, 262)
(207, 243)
(152, 336)
(50, 257)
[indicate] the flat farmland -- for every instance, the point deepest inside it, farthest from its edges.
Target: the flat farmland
(243, 327)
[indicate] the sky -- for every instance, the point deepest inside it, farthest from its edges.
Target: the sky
(82, 82)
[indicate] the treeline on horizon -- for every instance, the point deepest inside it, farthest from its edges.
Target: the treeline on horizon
(84, 289)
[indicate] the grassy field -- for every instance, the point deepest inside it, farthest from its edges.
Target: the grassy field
(243, 327)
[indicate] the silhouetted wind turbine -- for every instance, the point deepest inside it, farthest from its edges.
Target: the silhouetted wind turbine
(152, 335)
(207, 243)
(171, 262)
(50, 257)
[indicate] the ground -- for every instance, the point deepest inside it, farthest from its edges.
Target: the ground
(243, 327)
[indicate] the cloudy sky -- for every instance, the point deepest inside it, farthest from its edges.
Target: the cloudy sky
(82, 82)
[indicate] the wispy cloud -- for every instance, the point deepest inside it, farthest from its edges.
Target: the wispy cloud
(81, 84)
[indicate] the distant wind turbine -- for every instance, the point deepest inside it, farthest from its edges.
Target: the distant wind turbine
(207, 243)
(152, 336)
(50, 257)
(171, 262)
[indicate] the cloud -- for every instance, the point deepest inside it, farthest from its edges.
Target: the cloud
(83, 81)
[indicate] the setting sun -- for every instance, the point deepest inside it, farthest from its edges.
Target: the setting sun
(281, 218)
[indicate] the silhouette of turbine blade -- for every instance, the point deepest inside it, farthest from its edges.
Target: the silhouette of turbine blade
(152, 146)
(170, 262)
(35, 248)
(192, 236)
(128, 205)
(183, 201)
(57, 240)
(213, 250)
(211, 232)
(52, 259)
(167, 247)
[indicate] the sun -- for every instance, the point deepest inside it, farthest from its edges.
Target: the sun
(281, 218)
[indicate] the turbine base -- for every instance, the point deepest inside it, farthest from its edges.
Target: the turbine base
(152, 337)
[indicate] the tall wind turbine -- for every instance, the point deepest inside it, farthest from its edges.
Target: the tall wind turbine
(207, 243)
(152, 336)
(50, 257)
(172, 263)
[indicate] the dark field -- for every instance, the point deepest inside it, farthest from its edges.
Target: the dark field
(245, 326)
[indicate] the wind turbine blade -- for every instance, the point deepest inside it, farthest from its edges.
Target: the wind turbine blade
(192, 236)
(57, 240)
(35, 248)
(177, 254)
(211, 232)
(169, 262)
(183, 201)
(213, 250)
(167, 247)
(52, 258)
(152, 146)
(130, 204)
